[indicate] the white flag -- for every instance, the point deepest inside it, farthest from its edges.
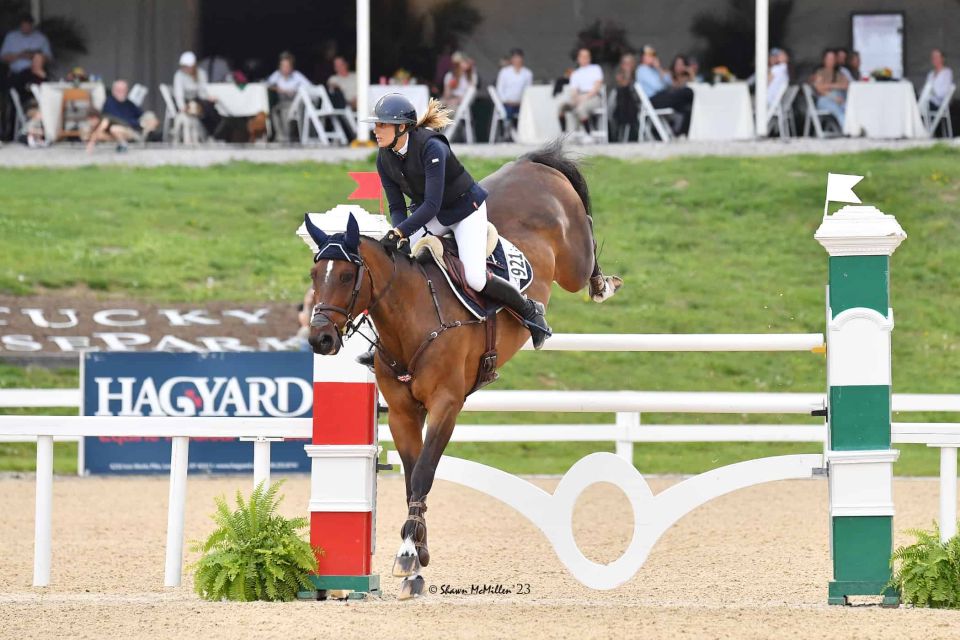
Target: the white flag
(840, 189)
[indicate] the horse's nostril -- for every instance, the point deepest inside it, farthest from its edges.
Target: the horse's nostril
(326, 343)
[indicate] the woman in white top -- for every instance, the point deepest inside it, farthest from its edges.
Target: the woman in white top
(458, 80)
(512, 81)
(583, 97)
(940, 78)
(190, 92)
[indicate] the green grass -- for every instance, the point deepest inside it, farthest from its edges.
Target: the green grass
(704, 244)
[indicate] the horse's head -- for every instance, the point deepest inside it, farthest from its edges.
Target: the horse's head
(341, 285)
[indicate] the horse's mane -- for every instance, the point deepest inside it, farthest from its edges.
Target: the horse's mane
(554, 156)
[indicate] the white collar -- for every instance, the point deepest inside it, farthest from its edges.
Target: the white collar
(403, 150)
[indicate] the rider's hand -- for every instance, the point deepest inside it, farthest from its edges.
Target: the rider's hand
(393, 240)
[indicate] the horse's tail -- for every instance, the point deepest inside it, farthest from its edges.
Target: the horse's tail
(552, 155)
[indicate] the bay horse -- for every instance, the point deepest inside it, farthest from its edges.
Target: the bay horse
(429, 346)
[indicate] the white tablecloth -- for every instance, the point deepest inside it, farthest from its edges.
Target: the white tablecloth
(883, 110)
(51, 103)
(237, 102)
(721, 112)
(418, 94)
(538, 121)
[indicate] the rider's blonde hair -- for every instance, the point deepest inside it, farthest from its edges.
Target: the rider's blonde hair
(437, 116)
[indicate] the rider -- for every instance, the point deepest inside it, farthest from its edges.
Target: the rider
(416, 161)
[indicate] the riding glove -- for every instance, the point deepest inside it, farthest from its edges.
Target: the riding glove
(393, 241)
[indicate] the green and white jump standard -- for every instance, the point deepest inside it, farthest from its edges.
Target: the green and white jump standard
(860, 241)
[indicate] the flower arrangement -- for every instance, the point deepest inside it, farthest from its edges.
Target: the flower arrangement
(722, 74)
(882, 74)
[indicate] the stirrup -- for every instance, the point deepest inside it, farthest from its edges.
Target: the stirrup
(536, 323)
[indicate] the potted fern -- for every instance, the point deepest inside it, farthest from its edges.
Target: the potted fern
(254, 553)
(928, 574)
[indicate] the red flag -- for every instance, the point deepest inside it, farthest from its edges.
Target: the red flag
(368, 185)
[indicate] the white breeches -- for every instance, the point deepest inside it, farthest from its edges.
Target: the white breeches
(471, 236)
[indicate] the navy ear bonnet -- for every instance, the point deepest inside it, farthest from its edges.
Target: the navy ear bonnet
(338, 246)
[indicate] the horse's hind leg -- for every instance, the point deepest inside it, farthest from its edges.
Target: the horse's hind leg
(601, 287)
(414, 553)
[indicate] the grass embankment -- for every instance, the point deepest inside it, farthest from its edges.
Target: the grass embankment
(704, 244)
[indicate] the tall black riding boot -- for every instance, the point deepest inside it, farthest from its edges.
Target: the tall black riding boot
(531, 311)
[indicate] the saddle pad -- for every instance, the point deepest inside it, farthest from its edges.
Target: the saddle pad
(507, 262)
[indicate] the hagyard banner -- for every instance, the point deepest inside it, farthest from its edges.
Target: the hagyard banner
(271, 385)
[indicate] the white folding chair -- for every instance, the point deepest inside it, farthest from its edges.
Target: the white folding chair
(178, 126)
(652, 118)
(777, 114)
(138, 94)
(942, 115)
(923, 103)
(20, 124)
(499, 119)
(170, 112)
(601, 132)
(816, 118)
(317, 111)
(789, 99)
(463, 117)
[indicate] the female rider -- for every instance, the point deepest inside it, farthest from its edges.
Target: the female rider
(415, 160)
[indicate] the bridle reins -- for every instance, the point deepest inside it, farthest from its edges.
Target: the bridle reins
(320, 310)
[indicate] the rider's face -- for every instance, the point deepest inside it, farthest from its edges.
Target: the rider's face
(384, 133)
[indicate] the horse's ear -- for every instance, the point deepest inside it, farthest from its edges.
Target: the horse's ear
(351, 238)
(315, 232)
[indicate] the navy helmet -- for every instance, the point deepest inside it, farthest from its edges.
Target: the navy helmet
(393, 108)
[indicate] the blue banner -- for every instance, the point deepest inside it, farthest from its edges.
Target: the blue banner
(278, 385)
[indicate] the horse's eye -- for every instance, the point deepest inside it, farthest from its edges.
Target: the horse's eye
(346, 277)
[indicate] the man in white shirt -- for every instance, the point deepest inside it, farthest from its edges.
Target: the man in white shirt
(512, 80)
(583, 95)
(940, 78)
(20, 44)
(284, 83)
(344, 80)
(779, 77)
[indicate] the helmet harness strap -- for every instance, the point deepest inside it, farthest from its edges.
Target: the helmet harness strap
(397, 135)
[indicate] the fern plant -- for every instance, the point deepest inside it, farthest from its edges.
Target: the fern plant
(254, 553)
(928, 574)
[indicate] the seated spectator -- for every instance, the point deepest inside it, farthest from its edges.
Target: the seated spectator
(458, 80)
(679, 74)
(831, 87)
(343, 81)
(627, 105)
(842, 65)
(283, 85)
(656, 84)
(20, 44)
(693, 69)
(853, 64)
(36, 73)
(121, 120)
(512, 81)
(191, 95)
(583, 95)
(939, 78)
(778, 78)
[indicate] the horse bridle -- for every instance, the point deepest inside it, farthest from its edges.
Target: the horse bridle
(320, 309)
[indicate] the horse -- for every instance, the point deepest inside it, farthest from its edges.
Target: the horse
(429, 349)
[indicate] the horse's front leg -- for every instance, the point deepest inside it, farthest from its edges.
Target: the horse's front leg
(414, 554)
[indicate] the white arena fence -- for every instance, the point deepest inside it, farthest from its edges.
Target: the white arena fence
(627, 429)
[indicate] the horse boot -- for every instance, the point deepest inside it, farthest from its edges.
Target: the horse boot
(366, 359)
(413, 553)
(531, 311)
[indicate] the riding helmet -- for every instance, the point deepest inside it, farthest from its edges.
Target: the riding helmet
(393, 108)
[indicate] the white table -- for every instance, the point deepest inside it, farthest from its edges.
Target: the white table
(418, 94)
(883, 110)
(538, 121)
(239, 103)
(721, 112)
(51, 102)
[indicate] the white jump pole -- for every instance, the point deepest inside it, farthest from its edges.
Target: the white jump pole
(948, 493)
(762, 46)
(42, 540)
(261, 462)
(175, 515)
(363, 67)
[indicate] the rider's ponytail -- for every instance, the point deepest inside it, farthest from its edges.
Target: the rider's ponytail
(437, 116)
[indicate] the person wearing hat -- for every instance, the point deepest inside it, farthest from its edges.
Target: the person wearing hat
(190, 86)
(778, 77)
(415, 161)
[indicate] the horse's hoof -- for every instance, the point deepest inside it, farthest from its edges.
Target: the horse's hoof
(407, 562)
(411, 587)
(611, 284)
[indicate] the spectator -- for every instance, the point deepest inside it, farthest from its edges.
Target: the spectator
(693, 69)
(679, 74)
(842, 65)
(121, 120)
(512, 81)
(36, 73)
(458, 80)
(283, 85)
(854, 65)
(627, 105)
(778, 78)
(217, 68)
(20, 44)
(656, 84)
(583, 95)
(190, 92)
(831, 86)
(939, 78)
(344, 81)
